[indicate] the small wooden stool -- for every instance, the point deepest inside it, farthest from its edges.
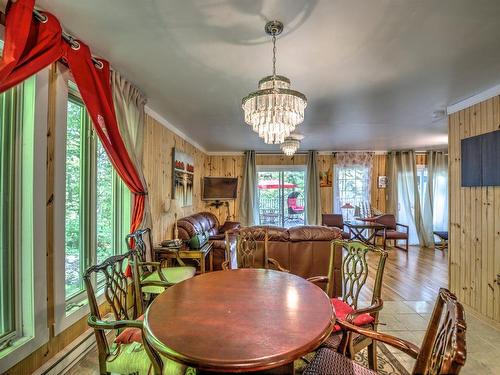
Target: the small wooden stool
(443, 236)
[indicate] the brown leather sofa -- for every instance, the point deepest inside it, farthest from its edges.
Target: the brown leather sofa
(208, 224)
(305, 251)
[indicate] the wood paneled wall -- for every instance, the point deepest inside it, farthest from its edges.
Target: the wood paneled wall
(157, 163)
(474, 246)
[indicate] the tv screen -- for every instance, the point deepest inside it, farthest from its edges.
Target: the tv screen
(480, 160)
(219, 188)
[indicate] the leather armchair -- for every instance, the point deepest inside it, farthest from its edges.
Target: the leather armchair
(336, 221)
(393, 231)
(208, 224)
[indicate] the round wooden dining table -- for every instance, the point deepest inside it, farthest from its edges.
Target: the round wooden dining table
(239, 320)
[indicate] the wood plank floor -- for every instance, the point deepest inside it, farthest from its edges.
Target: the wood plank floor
(415, 275)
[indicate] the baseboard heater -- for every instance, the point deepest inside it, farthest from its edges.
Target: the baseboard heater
(69, 356)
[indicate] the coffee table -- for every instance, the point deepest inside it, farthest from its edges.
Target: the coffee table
(239, 320)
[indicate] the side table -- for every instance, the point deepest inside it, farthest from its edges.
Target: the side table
(198, 255)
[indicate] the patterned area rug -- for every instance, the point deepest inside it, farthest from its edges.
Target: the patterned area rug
(387, 363)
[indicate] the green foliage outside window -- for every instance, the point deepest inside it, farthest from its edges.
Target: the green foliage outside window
(97, 202)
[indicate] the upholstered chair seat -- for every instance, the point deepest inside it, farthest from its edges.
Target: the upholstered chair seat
(328, 362)
(393, 231)
(392, 234)
(174, 275)
(343, 309)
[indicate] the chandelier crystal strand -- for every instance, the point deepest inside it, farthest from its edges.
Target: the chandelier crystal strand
(274, 110)
(290, 146)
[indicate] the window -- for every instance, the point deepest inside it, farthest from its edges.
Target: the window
(23, 311)
(281, 195)
(352, 185)
(95, 201)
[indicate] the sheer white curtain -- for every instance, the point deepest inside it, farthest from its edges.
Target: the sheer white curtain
(404, 198)
(437, 192)
(129, 107)
(353, 172)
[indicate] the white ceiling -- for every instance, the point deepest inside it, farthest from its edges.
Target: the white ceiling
(374, 71)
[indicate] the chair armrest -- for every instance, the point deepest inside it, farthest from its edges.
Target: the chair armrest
(404, 226)
(377, 306)
(93, 322)
(318, 279)
(276, 264)
(226, 265)
(156, 268)
(405, 346)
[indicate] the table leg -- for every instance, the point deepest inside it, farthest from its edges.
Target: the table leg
(202, 263)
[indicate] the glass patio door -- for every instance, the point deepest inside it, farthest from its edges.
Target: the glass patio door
(281, 196)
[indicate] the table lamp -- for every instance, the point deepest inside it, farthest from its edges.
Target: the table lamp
(347, 207)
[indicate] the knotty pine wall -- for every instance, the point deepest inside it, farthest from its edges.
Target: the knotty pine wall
(157, 164)
(474, 245)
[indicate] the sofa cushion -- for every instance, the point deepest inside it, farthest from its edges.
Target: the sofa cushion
(229, 225)
(203, 222)
(313, 233)
(342, 309)
(274, 233)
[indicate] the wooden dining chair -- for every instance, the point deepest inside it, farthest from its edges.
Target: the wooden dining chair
(354, 275)
(151, 277)
(251, 249)
(126, 354)
(443, 349)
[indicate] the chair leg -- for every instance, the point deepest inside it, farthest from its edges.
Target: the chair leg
(407, 244)
(372, 356)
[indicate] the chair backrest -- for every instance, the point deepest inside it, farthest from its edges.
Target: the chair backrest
(389, 220)
(355, 270)
(443, 349)
(141, 243)
(251, 247)
(332, 220)
(119, 294)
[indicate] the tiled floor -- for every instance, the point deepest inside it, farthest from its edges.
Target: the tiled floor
(408, 320)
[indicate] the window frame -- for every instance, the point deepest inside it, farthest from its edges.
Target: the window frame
(282, 168)
(337, 190)
(30, 284)
(69, 311)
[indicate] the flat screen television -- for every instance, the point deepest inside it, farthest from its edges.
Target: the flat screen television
(219, 188)
(481, 159)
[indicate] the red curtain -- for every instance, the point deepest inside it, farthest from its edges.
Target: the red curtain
(94, 84)
(29, 45)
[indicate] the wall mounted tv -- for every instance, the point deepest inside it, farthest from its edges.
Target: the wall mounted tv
(219, 188)
(481, 160)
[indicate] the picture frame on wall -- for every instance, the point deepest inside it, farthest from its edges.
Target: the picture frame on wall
(382, 182)
(182, 178)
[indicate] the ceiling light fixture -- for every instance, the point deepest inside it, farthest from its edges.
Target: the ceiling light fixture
(274, 111)
(291, 144)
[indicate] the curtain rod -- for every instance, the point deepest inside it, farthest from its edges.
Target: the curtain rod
(72, 41)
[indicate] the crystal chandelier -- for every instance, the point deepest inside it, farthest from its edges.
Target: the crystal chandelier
(274, 110)
(291, 144)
